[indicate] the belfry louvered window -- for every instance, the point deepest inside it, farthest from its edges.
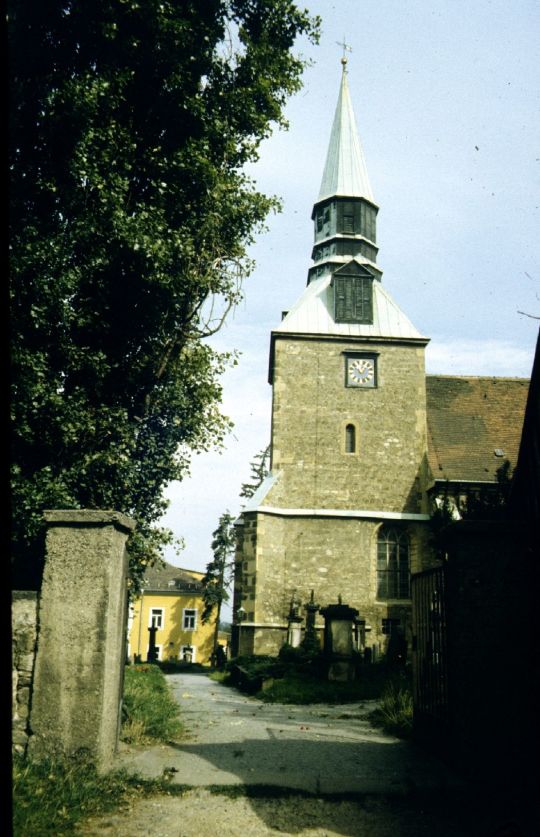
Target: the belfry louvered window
(393, 564)
(353, 298)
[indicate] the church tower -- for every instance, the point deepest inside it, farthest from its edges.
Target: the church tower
(343, 512)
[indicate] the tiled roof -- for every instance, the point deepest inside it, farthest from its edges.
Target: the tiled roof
(172, 578)
(470, 421)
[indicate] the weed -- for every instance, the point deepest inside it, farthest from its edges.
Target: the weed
(395, 714)
(51, 796)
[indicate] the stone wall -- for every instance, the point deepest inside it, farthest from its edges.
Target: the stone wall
(312, 406)
(281, 557)
(294, 547)
(23, 641)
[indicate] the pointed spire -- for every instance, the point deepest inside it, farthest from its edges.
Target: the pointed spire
(345, 173)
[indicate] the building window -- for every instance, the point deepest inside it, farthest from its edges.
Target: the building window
(390, 626)
(189, 619)
(156, 618)
(393, 564)
(348, 223)
(350, 439)
(353, 299)
(187, 653)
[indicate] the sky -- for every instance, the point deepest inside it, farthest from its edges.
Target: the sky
(447, 102)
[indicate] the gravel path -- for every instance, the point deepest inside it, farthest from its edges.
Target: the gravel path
(253, 769)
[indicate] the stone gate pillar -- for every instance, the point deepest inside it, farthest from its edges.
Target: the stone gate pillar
(81, 642)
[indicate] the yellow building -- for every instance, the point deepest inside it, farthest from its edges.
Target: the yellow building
(171, 601)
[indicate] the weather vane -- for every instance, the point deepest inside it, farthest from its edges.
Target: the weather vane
(346, 49)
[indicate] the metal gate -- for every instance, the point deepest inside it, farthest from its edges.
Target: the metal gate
(429, 658)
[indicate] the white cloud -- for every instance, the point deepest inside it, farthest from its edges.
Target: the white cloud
(448, 356)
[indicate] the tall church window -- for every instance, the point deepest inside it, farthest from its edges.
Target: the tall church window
(350, 439)
(393, 564)
(353, 299)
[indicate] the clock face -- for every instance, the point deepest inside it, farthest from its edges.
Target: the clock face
(361, 372)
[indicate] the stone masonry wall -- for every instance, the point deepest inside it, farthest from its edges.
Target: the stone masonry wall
(23, 642)
(312, 406)
(295, 553)
(331, 556)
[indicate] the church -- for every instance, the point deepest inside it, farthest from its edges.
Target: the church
(364, 444)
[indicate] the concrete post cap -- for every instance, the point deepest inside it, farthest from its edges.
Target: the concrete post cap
(89, 517)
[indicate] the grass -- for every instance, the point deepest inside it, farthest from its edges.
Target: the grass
(293, 682)
(301, 688)
(51, 796)
(151, 713)
(219, 676)
(395, 714)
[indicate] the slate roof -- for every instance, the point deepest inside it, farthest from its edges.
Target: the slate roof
(172, 579)
(469, 418)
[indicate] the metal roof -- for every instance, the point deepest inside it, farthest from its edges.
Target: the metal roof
(345, 171)
(313, 313)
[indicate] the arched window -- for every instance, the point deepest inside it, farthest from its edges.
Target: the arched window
(350, 439)
(393, 564)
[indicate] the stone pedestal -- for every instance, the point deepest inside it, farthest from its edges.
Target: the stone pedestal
(294, 632)
(338, 640)
(81, 643)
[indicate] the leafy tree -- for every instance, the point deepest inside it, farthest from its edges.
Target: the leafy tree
(260, 468)
(130, 216)
(219, 572)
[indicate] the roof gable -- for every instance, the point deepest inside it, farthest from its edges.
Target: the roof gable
(313, 314)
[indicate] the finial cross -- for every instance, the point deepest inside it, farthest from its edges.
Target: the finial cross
(346, 49)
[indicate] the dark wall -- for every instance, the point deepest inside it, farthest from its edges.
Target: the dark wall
(492, 649)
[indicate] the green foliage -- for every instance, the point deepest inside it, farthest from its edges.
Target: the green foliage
(395, 714)
(299, 678)
(150, 711)
(52, 796)
(130, 219)
(219, 572)
(260, 468)
(219, 676)
(300, 687)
